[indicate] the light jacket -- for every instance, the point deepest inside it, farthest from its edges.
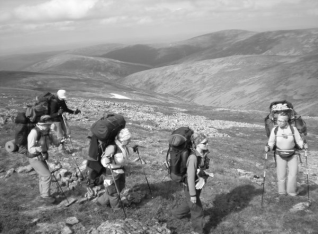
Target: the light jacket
(284, 138)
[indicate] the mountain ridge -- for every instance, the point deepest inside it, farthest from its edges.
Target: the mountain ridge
(258, 80)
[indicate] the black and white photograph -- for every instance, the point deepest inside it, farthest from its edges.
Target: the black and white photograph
(159, 116)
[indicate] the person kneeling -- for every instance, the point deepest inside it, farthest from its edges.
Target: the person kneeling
(114, 159)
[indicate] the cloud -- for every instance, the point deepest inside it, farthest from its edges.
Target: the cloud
(55, 10)
(4, 16)
(134, 13)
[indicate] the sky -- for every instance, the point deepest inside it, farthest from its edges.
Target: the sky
(28, 26)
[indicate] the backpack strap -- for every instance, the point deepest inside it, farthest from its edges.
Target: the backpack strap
(275, 132)
(167, 161)
(39, 133)
(293, 132)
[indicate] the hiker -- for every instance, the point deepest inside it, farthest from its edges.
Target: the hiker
(94, 167)
(102, 133)
(115, 159)
(38, 145)
(284, 140)
(195, 173)
(57, 108)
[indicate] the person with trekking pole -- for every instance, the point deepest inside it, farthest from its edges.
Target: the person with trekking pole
(195, 180)
(286, 141)
(38, 146)
(56, 109)
(114, 159)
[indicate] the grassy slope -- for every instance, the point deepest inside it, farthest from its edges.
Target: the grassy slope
(84, 66)
(231, 204)
(77, 86)
(249, 82)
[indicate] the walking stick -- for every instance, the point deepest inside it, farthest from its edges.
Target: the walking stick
(72, 149)
(117, 190)
(307, 174)
(135, 148)
(264, 176)
(122, 205)
(58, 185)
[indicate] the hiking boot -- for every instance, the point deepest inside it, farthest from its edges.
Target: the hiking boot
(48, 200)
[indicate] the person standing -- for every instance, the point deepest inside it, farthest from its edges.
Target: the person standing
(57, 108)
(115, 158)
(195, 173)
(38, 146)
(284, 139)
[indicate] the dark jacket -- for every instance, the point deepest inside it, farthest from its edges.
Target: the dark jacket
(55, 105)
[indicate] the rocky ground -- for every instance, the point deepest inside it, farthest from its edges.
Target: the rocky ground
(237, 162)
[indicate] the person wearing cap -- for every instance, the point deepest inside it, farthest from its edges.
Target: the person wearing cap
(57, 108)
(195, 180)
(285, 140)
(115, 158)
(38, 146)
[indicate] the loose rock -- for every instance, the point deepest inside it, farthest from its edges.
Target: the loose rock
(71, 220)
(9, 173)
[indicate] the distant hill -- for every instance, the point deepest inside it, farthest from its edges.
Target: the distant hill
(240, 82)
(221, 44)
(84, 66)
(165, 54)
(231, 68)
(287, 42)
(96, 50)
(20, 61)
(79, 87)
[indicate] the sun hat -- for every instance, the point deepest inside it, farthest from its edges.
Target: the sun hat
(44, 120)
(198, 138)
(124, 135)
(280, 107)
(61, 94)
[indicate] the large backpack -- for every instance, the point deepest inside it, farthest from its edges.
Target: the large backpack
(22, 128)
(41, 107)
(106, 128)
(180, 144)
(294, 119)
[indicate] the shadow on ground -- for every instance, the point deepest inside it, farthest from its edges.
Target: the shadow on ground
(234, 201)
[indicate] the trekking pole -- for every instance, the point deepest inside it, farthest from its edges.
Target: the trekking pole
(122, 205)
(264, 177)
(306, 155)
(69, 136)
(58, 184)
(72, 149)
(135, 148)
(301, 162)
(111, 171)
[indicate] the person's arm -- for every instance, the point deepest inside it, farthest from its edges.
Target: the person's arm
(108, 157)
(272, 139)
(298, 138)
(65, 108)
(32, 140)
(191, 172)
